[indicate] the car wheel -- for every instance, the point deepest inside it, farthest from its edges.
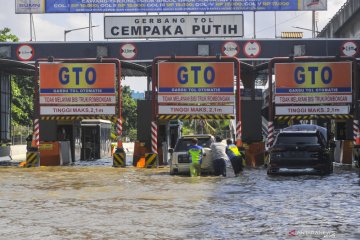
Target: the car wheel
(272, 171)
(331, 167)
(357, 165)
(327, 169)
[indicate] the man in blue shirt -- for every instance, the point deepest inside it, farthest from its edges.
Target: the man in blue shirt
(235, 156)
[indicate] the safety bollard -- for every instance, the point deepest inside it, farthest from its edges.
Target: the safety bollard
(32, 158)
(151, 160)
(119, 158)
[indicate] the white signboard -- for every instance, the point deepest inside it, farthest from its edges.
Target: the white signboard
(320, 99)
(167, 26)
(196, 109)
(311, 110)
(29, 6)
(77, 110)
(75, 100)
(222, 99)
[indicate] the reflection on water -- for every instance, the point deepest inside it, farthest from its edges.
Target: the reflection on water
(95, 201)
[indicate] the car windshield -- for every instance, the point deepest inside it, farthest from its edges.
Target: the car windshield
(183, 144)
(296, 139)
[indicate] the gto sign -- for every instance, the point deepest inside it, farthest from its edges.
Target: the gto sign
(126, 27)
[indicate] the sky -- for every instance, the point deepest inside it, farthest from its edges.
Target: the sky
(51, 27)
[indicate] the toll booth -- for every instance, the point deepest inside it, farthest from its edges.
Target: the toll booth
(59, 141)
(173, 132)
(95, 139)
(170, 136)
(298, 98)
(169, 132)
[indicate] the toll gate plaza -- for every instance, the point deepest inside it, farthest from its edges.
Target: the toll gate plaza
(250, 109)
(234, 137)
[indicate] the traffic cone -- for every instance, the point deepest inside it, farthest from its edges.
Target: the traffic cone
(33, 142)
(239, 143)
(141, 163)
(119, 147)
(119, 144)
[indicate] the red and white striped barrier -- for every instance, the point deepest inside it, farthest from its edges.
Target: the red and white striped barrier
(154, 131)
(270, 139)
(37, 133)
(119, 133)
(356, 132)
(119, 127)
(238, 134)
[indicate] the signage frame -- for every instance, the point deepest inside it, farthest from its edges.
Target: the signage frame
(312, 110)
(103, 88)
(184, 25)
(197, 110)
(224, 87)
(77, 6)
(339, 86)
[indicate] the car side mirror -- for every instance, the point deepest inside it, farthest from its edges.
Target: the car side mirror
(171, 150)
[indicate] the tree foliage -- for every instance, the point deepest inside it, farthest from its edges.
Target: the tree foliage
(7, 36)
(22, 93)
(21, 90)
(129, 113)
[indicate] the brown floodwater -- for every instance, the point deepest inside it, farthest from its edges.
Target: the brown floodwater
(92, 200)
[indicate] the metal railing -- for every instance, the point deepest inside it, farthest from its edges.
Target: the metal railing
(19, 134)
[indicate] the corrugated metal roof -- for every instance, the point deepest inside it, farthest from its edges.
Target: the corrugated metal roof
(16, 67)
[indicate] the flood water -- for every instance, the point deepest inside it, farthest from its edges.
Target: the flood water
(95, 201)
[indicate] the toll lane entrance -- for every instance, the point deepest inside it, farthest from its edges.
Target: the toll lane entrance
(193, 88)
(320, 91)
(68, 94)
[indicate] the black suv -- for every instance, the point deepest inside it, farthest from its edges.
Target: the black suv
(300, 151)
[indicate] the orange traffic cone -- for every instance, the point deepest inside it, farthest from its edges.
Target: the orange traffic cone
(239, 143)
(141, 163)
(33, 143)
(119, 144)
(357, 140)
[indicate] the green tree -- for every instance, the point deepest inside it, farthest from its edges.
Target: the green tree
(7, 36)
(22, 93)
(21, 90)
(129, 113)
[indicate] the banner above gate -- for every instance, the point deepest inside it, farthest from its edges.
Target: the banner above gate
(313, 83)
(196, 82)
(77, 83)
(121, 6)
(174, 26)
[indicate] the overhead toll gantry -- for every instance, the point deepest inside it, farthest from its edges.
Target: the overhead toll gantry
(191, 87)
(320, 90)
(68, 91)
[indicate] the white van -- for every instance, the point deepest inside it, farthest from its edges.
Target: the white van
(179, 160)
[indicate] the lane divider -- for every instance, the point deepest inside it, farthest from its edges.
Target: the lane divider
(151, 160)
